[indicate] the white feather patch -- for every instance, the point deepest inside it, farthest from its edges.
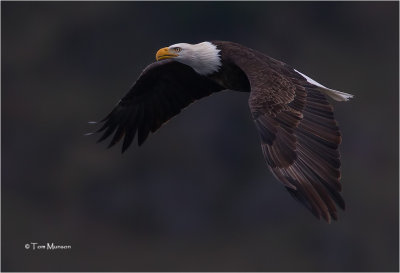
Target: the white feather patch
(334, 94)
(204, 57)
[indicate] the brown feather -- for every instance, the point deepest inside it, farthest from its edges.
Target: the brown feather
(299, 135)
(163, 89)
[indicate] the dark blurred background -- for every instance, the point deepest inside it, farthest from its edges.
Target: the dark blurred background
(197, 196)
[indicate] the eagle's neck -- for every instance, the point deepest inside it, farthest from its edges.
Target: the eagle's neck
(204, 58)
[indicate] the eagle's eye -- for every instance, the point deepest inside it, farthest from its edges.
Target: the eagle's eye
(177, 49)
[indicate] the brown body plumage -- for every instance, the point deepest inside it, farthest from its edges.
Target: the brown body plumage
(298, 132)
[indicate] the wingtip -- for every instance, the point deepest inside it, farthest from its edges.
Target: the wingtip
(110, 145)
(123, 150)
(140, 140)
(327, 217)
(100, 139)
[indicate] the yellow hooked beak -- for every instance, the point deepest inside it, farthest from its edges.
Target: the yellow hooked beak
(165, 53)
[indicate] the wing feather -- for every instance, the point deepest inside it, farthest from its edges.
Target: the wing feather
(299, 135)
(162, 90)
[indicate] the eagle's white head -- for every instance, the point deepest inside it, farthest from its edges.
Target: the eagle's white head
(204, 57)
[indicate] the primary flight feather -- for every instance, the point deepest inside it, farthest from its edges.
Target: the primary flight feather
(299, 135)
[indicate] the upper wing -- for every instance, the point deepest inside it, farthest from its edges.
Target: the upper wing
(299, 135)
(162, 90)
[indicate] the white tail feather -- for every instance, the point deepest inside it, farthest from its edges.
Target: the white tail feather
(334, 94)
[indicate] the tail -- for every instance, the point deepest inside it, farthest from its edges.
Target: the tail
(334, 94)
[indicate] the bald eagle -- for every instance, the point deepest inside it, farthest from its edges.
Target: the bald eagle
(298, 133)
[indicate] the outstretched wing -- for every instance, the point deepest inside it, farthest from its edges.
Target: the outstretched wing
(162, 90)
(299, 135)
